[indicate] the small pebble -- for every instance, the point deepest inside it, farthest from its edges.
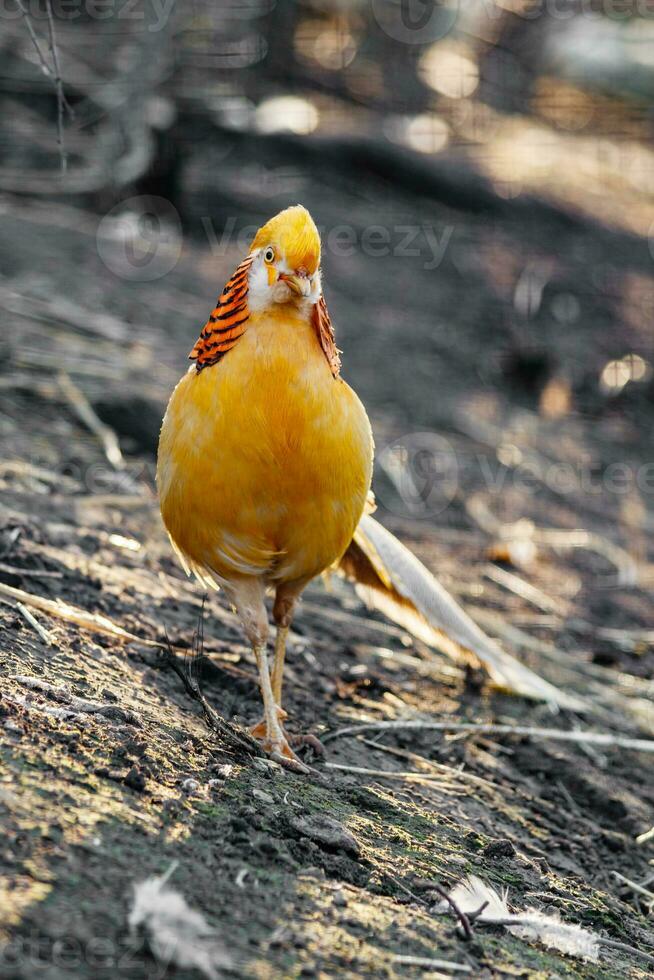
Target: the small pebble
(499, 848)
(327, 832)
(259, 794)
(135, 780)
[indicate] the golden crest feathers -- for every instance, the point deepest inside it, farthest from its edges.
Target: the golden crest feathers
(294, 232)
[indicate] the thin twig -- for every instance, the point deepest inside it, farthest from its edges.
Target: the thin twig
(625, 948)
(589, 738)
(642, 838)
(634, 886)
(240, 740)
(34, 623)
(460, 914)
(59, 88)
(47, 70)
(52, 72)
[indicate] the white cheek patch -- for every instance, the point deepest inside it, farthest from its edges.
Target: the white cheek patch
(262, 294)
(316, 288)
(259, 291)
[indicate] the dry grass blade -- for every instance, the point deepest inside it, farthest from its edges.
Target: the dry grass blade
(28, 572)
(87, 416)
(540, 734)
(513, 583)
(34, 623)
(562, 539)
(445, 966)
(75, 706)
(407, 776)
(94, 622)
(446, 772)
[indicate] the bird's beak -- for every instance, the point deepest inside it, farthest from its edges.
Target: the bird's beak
(301, 285)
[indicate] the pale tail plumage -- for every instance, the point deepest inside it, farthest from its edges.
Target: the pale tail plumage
(390, 578)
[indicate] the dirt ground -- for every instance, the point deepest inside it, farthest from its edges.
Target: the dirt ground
(94, 800)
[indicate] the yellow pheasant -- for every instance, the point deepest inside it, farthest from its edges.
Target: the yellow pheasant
(265, 458)
(265, 464)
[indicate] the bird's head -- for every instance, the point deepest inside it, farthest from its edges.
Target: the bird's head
(283, 266)
(285, 260)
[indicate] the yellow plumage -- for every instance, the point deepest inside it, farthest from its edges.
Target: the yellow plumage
(265, 459)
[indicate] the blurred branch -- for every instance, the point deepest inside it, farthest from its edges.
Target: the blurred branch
(52, 72)
(59, 87)
(114, 135)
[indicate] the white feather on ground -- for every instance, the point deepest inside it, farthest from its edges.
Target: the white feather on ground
(175, 933)
(471, 893)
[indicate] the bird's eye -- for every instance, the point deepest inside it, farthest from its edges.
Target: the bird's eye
(269, 254)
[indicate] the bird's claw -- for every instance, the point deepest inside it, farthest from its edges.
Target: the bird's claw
(290, 762)
(299, 741)
(281, 749)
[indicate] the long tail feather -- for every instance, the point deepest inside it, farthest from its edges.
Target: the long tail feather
(389, 578)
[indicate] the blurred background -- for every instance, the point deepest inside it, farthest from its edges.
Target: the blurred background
(482, 174)
(483, 177)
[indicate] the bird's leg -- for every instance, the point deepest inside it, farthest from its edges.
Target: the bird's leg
(277, 675)
(286, 597)
(260, 730)
(273, 729)
(285, 600)
(275, 741)
(248, 596)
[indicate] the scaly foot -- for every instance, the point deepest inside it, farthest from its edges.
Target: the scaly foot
(279, 744)
(260, 730)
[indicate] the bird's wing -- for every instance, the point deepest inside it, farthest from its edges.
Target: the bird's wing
(389, 578)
